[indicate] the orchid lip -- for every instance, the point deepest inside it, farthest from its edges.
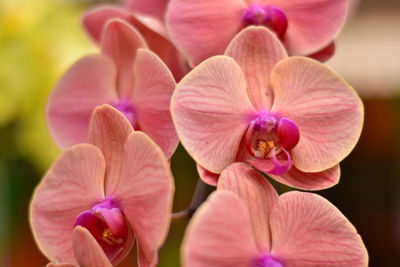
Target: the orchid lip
(269, 140)
(107, 224)
(266, 15)
(127, 108)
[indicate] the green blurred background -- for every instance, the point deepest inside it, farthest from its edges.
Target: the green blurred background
(40, 39)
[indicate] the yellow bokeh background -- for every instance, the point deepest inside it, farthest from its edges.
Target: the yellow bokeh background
(39, 40)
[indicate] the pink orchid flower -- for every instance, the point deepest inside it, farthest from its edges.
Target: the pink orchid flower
(119, 187)
(132, 79)
(150, 25)
(262, 229)
(290, 117)
(203, 28)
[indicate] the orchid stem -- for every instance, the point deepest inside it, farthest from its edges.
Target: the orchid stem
(197, 200)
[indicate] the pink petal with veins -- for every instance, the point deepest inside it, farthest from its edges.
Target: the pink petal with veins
(95, 19)
(165, 50)
(325, 53)
(206, 176)
(73, 184)
(109, 130)
(154, 34)
(153, 8)
(120, 41)
(256, 193)
(87, 251)
(209, 108)
(201, 29)
(88, 83)
(152, 97)
(145, 193)
(257, 50)
(219, 234)
(327, 111)
(312, 24)
(309, 180)
(307, 230)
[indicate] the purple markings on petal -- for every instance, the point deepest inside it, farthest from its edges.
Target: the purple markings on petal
(267, 261)
(127, 108)
(288, 133)
(272, 17)
(107, 225)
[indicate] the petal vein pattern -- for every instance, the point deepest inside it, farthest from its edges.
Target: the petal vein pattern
(210, 109)
(307, 230)
(294, 229)
(326, 109)
(145, 192)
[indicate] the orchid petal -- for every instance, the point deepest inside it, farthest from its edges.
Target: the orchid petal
(149, 22)
(307, 230)
(88, 83)
(145, 193)
(165, 50)
(87, 251)
(219, 234)
(155, 35)
(212, 24)
(109, 130)
(72, 185)
(327, 111)
(256, 193)
(120, 42)
(153, 8)
(257, 50)
(152, 96)
(325, 53)
(312, 24)
(309, 180)
(210, 108)
(206, 176)
(95, 19)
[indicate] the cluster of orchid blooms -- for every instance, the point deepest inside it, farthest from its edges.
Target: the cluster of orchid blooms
(234, 82)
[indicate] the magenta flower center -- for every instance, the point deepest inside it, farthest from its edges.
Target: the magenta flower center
(272, 137)
(126, 107)
(265, 15)
(267, 261)
(106, 223)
